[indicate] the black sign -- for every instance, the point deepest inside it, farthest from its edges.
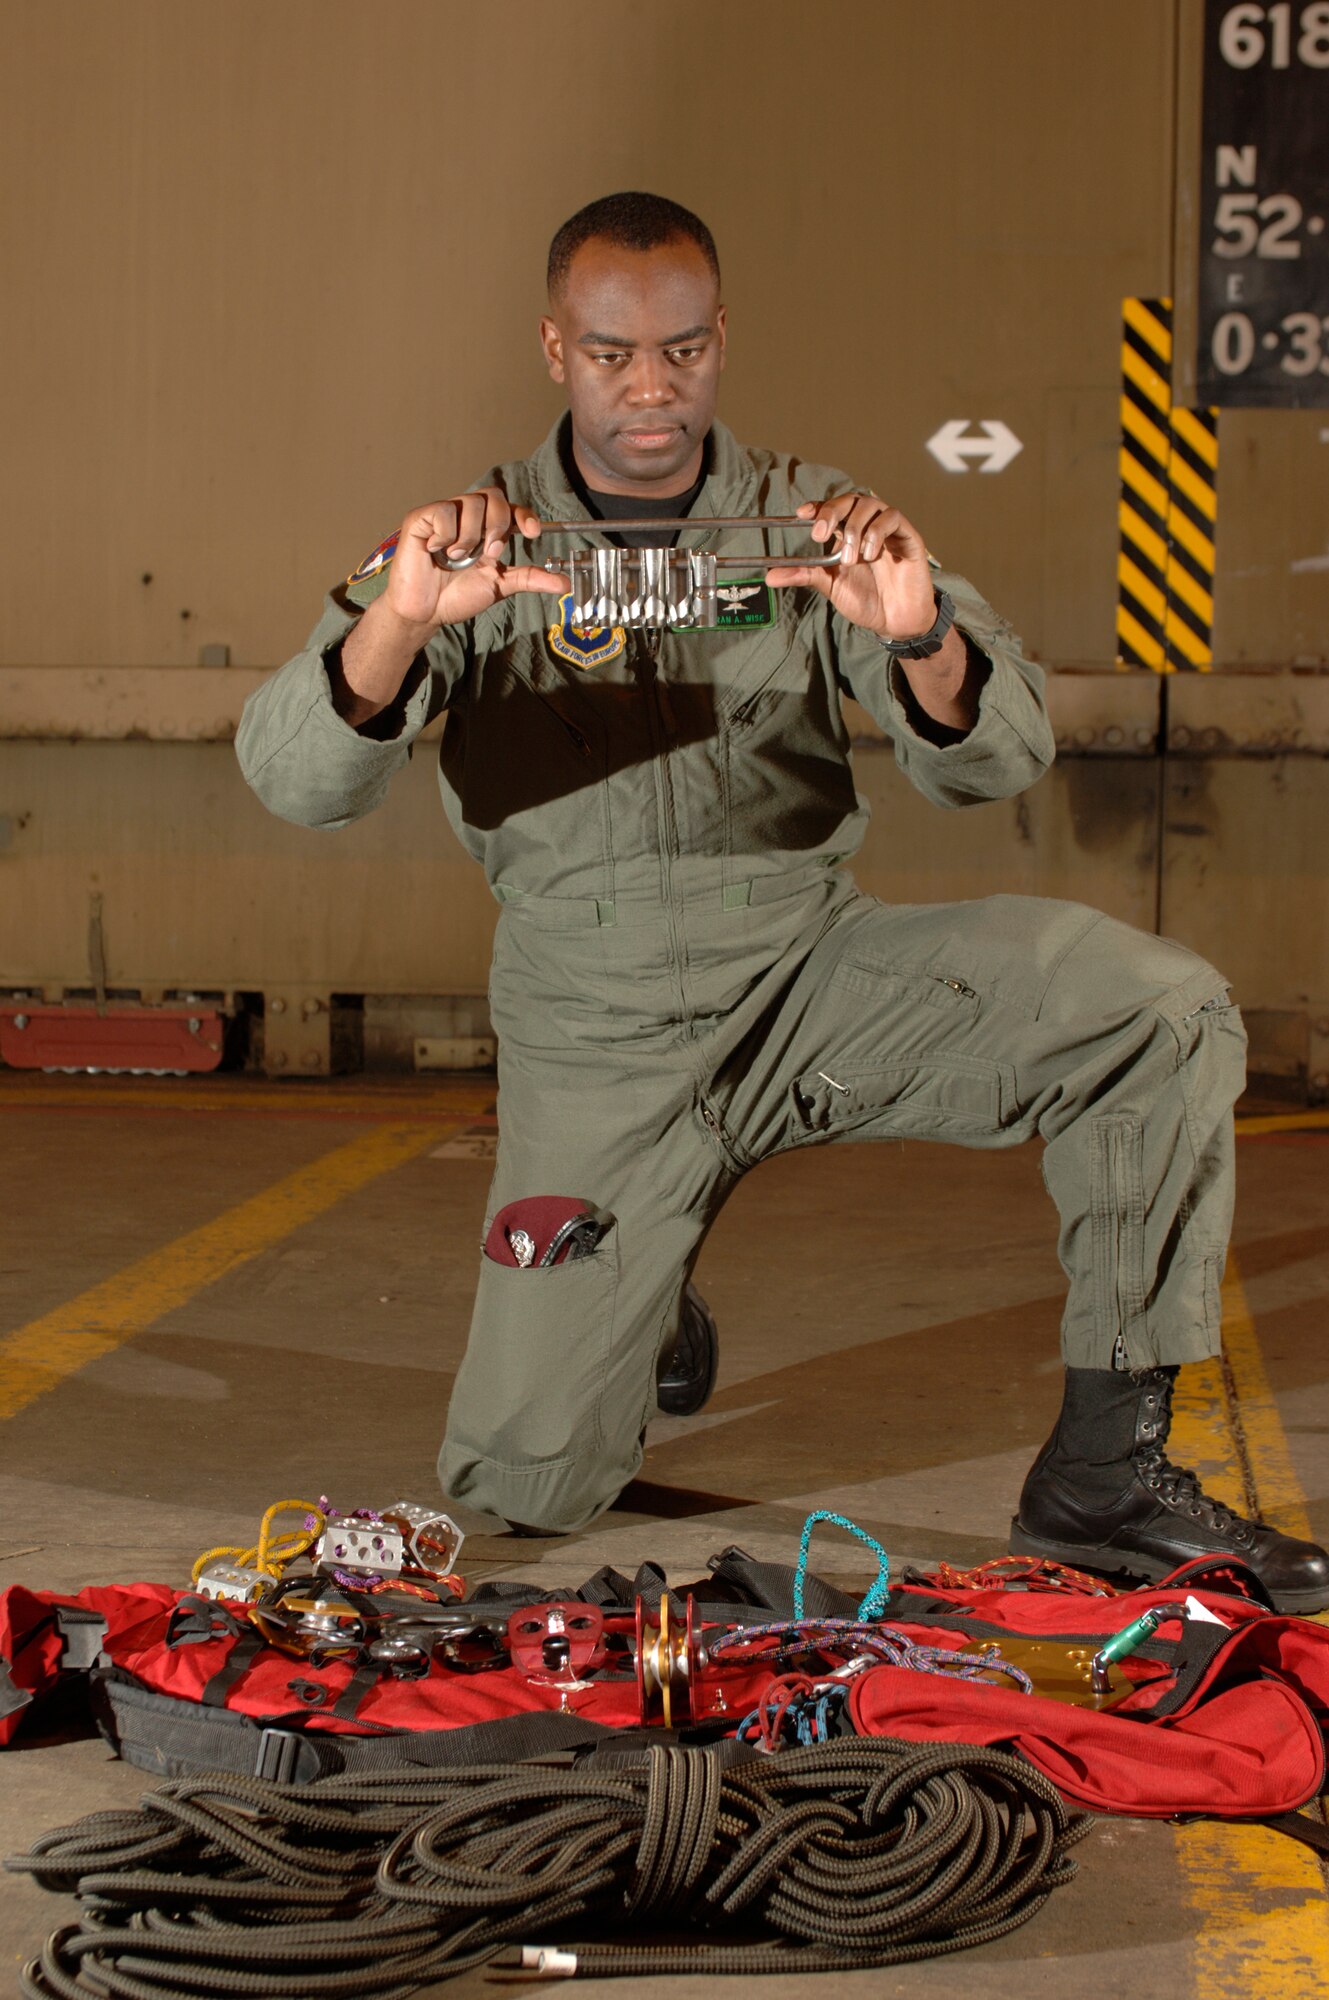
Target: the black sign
(1264, 206)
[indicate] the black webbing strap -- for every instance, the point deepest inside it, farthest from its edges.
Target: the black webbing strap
(174, 1738)
(1311, 1833)
(363, 1681)
(197, 1621)
(771, 1585)
(509, 1739)
(236, 1665)
(608, 1586)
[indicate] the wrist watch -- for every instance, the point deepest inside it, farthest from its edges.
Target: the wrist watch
(927, 643)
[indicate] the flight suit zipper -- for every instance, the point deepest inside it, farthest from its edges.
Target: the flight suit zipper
(646, 662)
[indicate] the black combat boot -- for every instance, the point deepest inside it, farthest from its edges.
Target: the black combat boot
(1103, 1495)
(687, 1377)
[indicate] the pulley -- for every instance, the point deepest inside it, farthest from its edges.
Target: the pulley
(672, 1668)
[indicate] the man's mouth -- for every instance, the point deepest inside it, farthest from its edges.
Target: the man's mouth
(651, 440)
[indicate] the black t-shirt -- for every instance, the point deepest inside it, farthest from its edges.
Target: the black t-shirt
(630, 507)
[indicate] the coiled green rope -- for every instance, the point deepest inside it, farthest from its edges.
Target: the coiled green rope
(857, 1853)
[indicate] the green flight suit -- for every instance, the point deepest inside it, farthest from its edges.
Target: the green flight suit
(686, 979)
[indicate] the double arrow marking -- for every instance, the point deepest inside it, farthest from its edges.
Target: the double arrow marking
(994, 450)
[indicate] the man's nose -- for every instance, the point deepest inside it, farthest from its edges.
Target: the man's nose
(651, 382)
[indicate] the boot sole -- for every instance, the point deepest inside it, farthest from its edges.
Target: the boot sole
(678, 1400)
(689, 1402)
(1113, 1562)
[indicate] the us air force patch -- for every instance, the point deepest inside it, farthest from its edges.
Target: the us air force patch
(584, 645)
(365, 583)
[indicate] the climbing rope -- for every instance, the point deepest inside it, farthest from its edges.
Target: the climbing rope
(857, 1853)
(272, 1553)
(795, 1709)
(1007, 1572)
(873, 1603)
(849, 1639)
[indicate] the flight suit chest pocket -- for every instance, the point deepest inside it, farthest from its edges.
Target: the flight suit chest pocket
(931, 1094)
(758, 665)
(533, 1379)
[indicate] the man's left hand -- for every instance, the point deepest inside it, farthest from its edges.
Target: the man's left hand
(883, 581)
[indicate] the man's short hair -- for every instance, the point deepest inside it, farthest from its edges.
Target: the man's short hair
(630, 222)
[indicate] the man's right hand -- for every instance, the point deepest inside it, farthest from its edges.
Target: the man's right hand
(422, 596)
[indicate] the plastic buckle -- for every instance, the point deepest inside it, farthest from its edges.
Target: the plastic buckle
(277, 1755)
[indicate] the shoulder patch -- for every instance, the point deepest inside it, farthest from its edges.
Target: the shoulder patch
(584, 645)
(365, 583)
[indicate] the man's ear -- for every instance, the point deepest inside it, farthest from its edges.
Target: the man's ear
(720, 323)
(551, 340)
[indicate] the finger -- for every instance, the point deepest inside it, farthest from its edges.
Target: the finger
(797, 576)
(903, 539)
(830, 513)
(470, 524)
(863, 538)
(498, 518)
(524, 576)
(853, 523)
(878, 531)
(528, 522)
(436, 525)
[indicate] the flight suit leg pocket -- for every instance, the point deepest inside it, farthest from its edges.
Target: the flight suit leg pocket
(932, 1095)
(530, 1388)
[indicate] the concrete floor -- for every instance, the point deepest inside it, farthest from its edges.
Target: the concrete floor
(238, 1291)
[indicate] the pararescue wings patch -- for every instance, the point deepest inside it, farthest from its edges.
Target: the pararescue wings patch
(364, 584)
(744, 604)
(584, 645)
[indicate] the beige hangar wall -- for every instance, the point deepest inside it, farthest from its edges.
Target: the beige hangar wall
(273, 273)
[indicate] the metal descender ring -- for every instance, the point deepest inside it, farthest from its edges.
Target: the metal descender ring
(650, 588)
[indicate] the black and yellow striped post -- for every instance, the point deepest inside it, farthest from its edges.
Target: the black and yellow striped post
(1168, 508)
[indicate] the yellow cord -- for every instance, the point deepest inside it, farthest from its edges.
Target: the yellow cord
(272, 1554)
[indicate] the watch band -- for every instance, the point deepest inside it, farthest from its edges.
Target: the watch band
(927, 643)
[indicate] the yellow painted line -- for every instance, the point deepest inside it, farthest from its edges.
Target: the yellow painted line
(41, 1355)
(1151, 330)
(1148, 435)
(1202, 496)
(1141, 642)
(1182, 529)
(1259, 1898)
(22, 1090)
(1203, 442)
(1182, 584)
(1185, 641)
(1141, 589)
(1137, 530)
(1151, 491)
(1283, 1121)
(1282, 1502)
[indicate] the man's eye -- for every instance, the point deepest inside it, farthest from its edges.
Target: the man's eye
(607, 360)
(684, 354)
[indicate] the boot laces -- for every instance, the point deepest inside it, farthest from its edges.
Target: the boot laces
(1176, 1485)
(1179, 1489)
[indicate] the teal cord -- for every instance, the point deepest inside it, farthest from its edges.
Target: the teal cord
(874, 1603)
